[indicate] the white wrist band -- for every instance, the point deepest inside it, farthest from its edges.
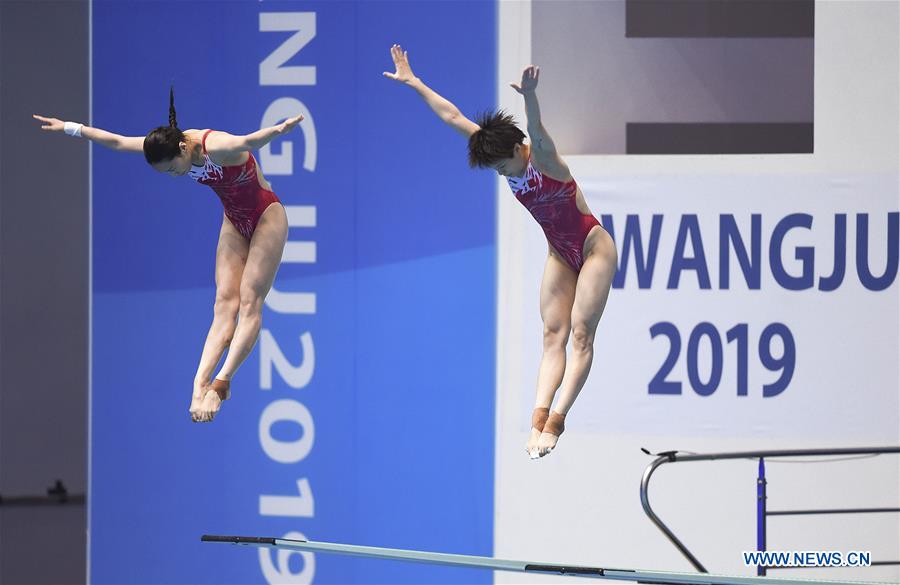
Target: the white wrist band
(73, 129)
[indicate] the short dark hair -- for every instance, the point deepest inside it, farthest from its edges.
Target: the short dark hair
(495, 139)
(163, 143)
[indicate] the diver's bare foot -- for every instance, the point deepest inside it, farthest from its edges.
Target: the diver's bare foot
(538, 418)
(200, 390)
(553, 428)
(215, 393)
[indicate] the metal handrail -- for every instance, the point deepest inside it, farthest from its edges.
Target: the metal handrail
(675, 457)
(826, 511)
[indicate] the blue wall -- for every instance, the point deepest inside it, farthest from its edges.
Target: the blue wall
(402, 391)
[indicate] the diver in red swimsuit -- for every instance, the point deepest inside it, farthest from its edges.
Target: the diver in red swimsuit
(581, 260)
(251, 240)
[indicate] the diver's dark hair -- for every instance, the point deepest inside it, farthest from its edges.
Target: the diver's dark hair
(163, 143)
(495, 139)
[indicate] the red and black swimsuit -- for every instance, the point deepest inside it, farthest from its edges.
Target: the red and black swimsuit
(553, 204)
(239, 188)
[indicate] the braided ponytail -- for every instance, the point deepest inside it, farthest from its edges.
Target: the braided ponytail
(172, 122)
(163, 143)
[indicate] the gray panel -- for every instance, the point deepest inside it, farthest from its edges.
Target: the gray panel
(595, 80)
(27, 558)
(720, 18)
(719, 138)
(43, 286)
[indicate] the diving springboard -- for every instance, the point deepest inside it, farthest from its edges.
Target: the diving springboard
(479, 562)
